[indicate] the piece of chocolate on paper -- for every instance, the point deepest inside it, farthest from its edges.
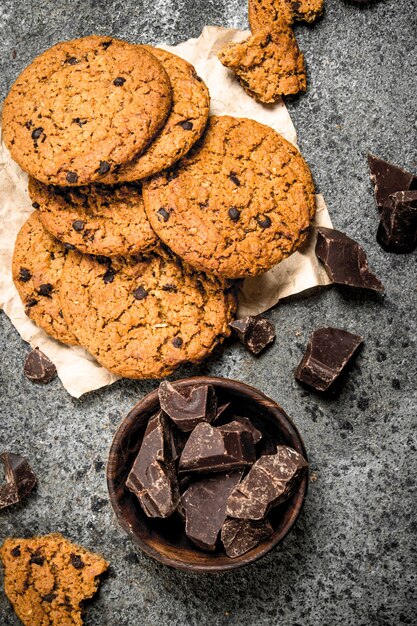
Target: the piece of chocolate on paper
(20, 479)
(328, 352)
(397, 231)
(188, 406)
(388, 179)
(241, 535)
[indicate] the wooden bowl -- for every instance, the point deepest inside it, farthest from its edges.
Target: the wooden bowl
(165, 540)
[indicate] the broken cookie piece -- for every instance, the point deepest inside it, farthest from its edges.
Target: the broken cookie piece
(344, 260)
(269, 64)
(266, 13)
(328, 352)
(47, 579)
(255, 332)
(241, 535)
(20, 479)
(188, 406)
(397, 231)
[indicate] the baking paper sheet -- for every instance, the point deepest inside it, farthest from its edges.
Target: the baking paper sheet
(78, 371)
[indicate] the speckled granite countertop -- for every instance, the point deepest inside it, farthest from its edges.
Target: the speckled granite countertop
(349, 561)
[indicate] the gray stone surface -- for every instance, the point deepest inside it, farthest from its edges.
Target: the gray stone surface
(351, 558)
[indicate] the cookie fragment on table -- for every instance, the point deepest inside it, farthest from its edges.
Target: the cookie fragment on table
(270, 482)
(238, 536)
(188, 406)
(345, 260)
(388, 179)
(397, 231)
(219, 449)
(265, 13)
(38, 367)
(254, 332)
(328, 352)
(20, 479)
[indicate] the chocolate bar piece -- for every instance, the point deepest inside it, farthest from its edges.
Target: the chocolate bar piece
(221, 410)
(204, 504)
(328, 352)
(397, 230)
(38, 367)
(344, 260)
(211, 449)
(189, 406)
(152, 477)
(388, 179)
(241, 535)
(243, 422)
(270, 482)
(256, 333)
(20, 479)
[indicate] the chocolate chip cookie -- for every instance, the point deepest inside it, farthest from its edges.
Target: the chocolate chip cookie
(143, 317)
(263, 14)
(184, 125)
(47, 579)
(84, 107)
(269, 64)
(97, 219)
(239, 203)
(38, 261)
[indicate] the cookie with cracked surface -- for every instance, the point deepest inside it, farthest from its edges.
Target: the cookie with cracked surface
(268, 65)
(48, 578)
(97, 219)
(184, 125)
(143, 317)
(38, 261)
(264, 14)
(84, 107)
(239, 203)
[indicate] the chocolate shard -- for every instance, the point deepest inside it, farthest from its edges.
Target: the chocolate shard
(241, 535)
(152, 477)
(254, 332)
(221, 410)
(344, 260)
(38, 367)
(397, 230)
(211, 449)
(20, 479)
(176, 441)
(204, 505)
(243, 422)
(388, 179)
(270, 482)
(328, 352)
(189, 406)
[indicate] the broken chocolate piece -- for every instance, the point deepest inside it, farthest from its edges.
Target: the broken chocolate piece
(189, 406)
(221, 410)
(256, 333)
(344, 260)
(204, 504)
(38, 367)
(328, 352)
(20, 479)
(241, 535)
(176, 441)
(243, 422)
(388, 179)
(397, 230)
(270, 482)
(211, 449)
(152, 477)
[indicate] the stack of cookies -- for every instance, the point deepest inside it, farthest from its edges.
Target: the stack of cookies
(146, 209)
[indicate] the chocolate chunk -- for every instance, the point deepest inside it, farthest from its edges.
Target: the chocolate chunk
(221, 410)
(106, 44)
(104, 167)
(256, 333)
(204, 505)
(388, 179)
(264, 221)
(152, 477)
(78, 225)
(36, 205)
(31, 302)
(37, 559)
(140, 293)
(79, 121)
(19, 479)
(176, 440)
(37, 133)
(24, 275)
(38, 368)
(270, 482)
(109, 275)
(45, 289)
(234, 214)
(49, 597)
(177, 342)
(186, 125)
(119, 81)
(328, 352)
(244, 423)
(241, 535)
(72, 61)
(344, 260)
(397, 230)
(76, 561)
(69, 246)
(15, 551)
(211, 449)
(170, 288)
(233, 177)
(163, 214)
(188, 406)
(72, 177)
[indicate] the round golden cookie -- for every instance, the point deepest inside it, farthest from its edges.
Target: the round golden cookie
(98, 219)
(239, 203)
(84, 107)
(143, 317)
(38, 261)
(184, 125)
